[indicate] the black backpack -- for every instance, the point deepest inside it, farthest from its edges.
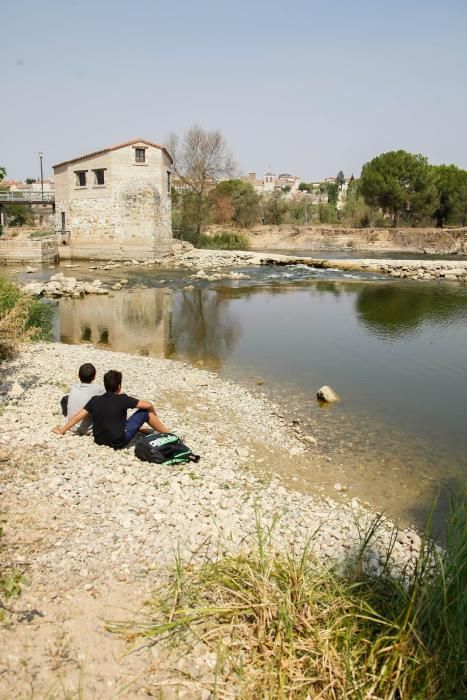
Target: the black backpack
(164, 448)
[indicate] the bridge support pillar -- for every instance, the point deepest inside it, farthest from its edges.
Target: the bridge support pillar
(2, 216)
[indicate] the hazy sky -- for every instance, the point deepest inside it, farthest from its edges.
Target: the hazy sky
(309, 86)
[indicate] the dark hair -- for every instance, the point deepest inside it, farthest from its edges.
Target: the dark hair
(87, 373)
(112, 380)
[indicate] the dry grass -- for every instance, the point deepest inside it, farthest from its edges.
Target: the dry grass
(283, 626)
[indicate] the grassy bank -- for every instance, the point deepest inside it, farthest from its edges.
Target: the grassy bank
(22, 317)
(283, 626)
(220, 240)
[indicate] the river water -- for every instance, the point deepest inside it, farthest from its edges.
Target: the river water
(395, 352)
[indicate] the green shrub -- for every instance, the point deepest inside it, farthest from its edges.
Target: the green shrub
(22, 317)
(223, 240)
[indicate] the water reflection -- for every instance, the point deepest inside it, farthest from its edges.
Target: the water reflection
(395, 310)
(136, 322)
(191, 324)
(202, 327)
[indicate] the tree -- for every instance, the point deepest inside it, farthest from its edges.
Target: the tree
(399, 183)
(19, 214)
(340, 179)
(235, 200)
(2, 172)
(30, 180)
(200, 160)
(246, 206)
(274, 209)
(451, 187)
(332, 190)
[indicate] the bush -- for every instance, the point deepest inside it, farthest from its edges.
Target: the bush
(22, 318)
(327, 214)
(223, 240)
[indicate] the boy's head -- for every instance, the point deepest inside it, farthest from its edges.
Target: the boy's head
(87, 373)
(112, 381)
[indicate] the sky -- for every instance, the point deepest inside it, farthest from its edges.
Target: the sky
(308, 87)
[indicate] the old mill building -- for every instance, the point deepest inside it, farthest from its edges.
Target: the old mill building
(115, 202)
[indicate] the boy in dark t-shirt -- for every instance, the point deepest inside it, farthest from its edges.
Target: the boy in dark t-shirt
(109, 415)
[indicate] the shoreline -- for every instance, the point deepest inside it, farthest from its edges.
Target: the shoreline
(106, 519)
(341, 238)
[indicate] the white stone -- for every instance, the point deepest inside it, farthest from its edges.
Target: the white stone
(327, 394)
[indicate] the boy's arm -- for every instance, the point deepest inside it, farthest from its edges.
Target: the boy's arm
(147, 405)
(73, 421)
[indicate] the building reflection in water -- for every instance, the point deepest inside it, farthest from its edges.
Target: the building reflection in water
(191, 324)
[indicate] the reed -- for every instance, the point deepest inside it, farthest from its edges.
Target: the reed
(223, 240)
(284, 626)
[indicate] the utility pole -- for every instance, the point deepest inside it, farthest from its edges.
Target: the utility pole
(42, 175)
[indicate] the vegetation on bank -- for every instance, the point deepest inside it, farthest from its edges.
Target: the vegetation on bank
(284, 626)
(22, 317)
(223, 240)
(395, 189)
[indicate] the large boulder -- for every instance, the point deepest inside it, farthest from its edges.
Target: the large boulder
(34, 288)
(327, 394)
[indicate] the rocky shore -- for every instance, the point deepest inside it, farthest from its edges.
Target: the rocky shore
(212, 265)
(94, 528)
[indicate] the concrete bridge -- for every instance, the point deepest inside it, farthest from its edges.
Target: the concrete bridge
(31, 197)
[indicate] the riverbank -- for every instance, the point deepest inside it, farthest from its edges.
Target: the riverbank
(212, 265)
(376, 240)
(94, 529)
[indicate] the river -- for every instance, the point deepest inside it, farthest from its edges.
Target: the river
(395, 352)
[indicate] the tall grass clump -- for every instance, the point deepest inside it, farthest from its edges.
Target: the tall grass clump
(223, 240)
(22, 317)
(284, 626)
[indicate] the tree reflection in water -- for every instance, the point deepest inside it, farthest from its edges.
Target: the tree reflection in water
(399, 310)
(202, 327)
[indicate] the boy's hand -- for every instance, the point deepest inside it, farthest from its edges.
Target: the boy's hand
(57, 431)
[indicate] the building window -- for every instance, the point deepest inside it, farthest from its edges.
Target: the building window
(80, 178)
(99, 177)
(63, 220)
(169, 184)
(140, 155)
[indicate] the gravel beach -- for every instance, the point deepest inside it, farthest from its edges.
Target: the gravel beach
(94, 529)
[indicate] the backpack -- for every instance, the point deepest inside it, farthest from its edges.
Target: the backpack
(164, 448)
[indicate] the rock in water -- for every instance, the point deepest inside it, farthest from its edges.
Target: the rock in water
(327, 394)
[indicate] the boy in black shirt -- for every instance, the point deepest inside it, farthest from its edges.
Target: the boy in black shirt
(109, 415)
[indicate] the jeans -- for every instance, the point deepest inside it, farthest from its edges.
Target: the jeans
(134, 423)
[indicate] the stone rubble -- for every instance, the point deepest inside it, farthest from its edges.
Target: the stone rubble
(113, 508)
(59, 285)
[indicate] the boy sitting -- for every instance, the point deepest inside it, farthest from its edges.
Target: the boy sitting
(109, 415)
(79, 395)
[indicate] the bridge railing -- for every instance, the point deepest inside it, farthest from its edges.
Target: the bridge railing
(26, 196)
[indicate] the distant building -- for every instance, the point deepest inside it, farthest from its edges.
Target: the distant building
(270, 183)
(115, 202)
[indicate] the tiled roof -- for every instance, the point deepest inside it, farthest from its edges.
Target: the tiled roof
(115, 148)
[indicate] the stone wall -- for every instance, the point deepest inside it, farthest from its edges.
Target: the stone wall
(38, 250)
(127, 217)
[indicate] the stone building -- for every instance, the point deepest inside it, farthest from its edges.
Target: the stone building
(115, 202)
(270, 183)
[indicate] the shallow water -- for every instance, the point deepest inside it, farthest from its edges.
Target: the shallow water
(395, 351)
